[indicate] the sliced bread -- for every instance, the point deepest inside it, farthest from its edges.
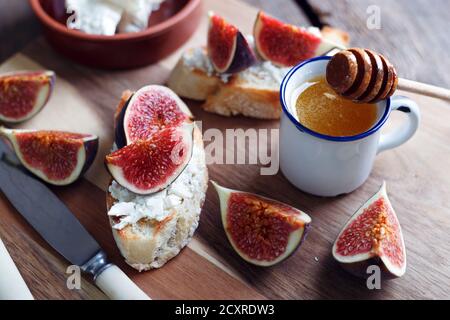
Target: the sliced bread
(166, 221)
(253, 92)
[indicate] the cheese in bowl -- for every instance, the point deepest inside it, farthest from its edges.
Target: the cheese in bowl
(108, 17)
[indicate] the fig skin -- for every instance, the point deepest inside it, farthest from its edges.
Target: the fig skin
(357, 264)
(295, 239)
(44, 82)
(87, 144)
(241, 56)
(91, 149)
(119, 130)
(123, 103)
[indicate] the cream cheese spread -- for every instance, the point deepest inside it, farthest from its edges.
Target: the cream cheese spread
(131, 207)
(107, 17)
(265, 73)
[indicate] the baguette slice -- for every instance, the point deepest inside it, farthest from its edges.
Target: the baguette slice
(253, 92)
(154, 240)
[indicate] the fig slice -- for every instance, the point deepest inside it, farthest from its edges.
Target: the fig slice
(228, 49)
(263, 231)
(23, 94)
(149, 110)
(57, 157)
(287, 45)
(372, 236)
(151, 165)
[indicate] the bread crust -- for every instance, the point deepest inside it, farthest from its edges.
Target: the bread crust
(233, 99)
(126, 95)
(150, 244)
(238, 96)
(228, 99)
(192, 83)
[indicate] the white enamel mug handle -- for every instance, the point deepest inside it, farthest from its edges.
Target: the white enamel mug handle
(117, 286)
(406, 130)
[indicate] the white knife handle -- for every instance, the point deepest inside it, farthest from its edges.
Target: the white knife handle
(12, 285)
(117, 286)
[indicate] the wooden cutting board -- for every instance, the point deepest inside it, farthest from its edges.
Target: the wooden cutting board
(417, 175)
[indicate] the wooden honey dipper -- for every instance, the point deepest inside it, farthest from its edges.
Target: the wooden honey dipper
(368, 77)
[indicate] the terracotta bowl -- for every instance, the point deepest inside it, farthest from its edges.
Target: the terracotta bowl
(169, 28)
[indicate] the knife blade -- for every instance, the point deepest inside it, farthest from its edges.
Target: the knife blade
(59, 227)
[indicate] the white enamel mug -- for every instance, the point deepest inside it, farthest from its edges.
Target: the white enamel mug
(329, 166)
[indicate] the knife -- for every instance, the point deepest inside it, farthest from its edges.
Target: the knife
(59, 227)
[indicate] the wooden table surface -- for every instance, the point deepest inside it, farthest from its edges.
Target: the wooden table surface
(413, 34)
(208, 268)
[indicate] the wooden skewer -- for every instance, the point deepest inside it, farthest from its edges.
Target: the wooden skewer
(424, 89)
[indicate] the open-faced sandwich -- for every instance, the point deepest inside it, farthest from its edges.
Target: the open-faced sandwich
(235, 74)
(159, 177)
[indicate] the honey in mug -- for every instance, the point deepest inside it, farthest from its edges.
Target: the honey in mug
(322, 110)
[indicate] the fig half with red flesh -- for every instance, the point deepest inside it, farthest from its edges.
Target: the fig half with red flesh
(228, 49)
(287, 45)
(56, 157)
(151, 165)
(148, 111)
(263, 231)
(23, 94)
(372, 236)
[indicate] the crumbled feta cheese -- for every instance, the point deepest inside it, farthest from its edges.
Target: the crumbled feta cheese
(122, 208)
(131, 207)
(181, 190)
(136, 14)
(172, 201)
(136, 207)
(264, 73)
(198, 59)
(105, 17)
(94, 17)
(225, 77)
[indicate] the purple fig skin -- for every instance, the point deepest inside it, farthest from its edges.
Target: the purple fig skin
(244, 57)
(91, 149)
(120, 138)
